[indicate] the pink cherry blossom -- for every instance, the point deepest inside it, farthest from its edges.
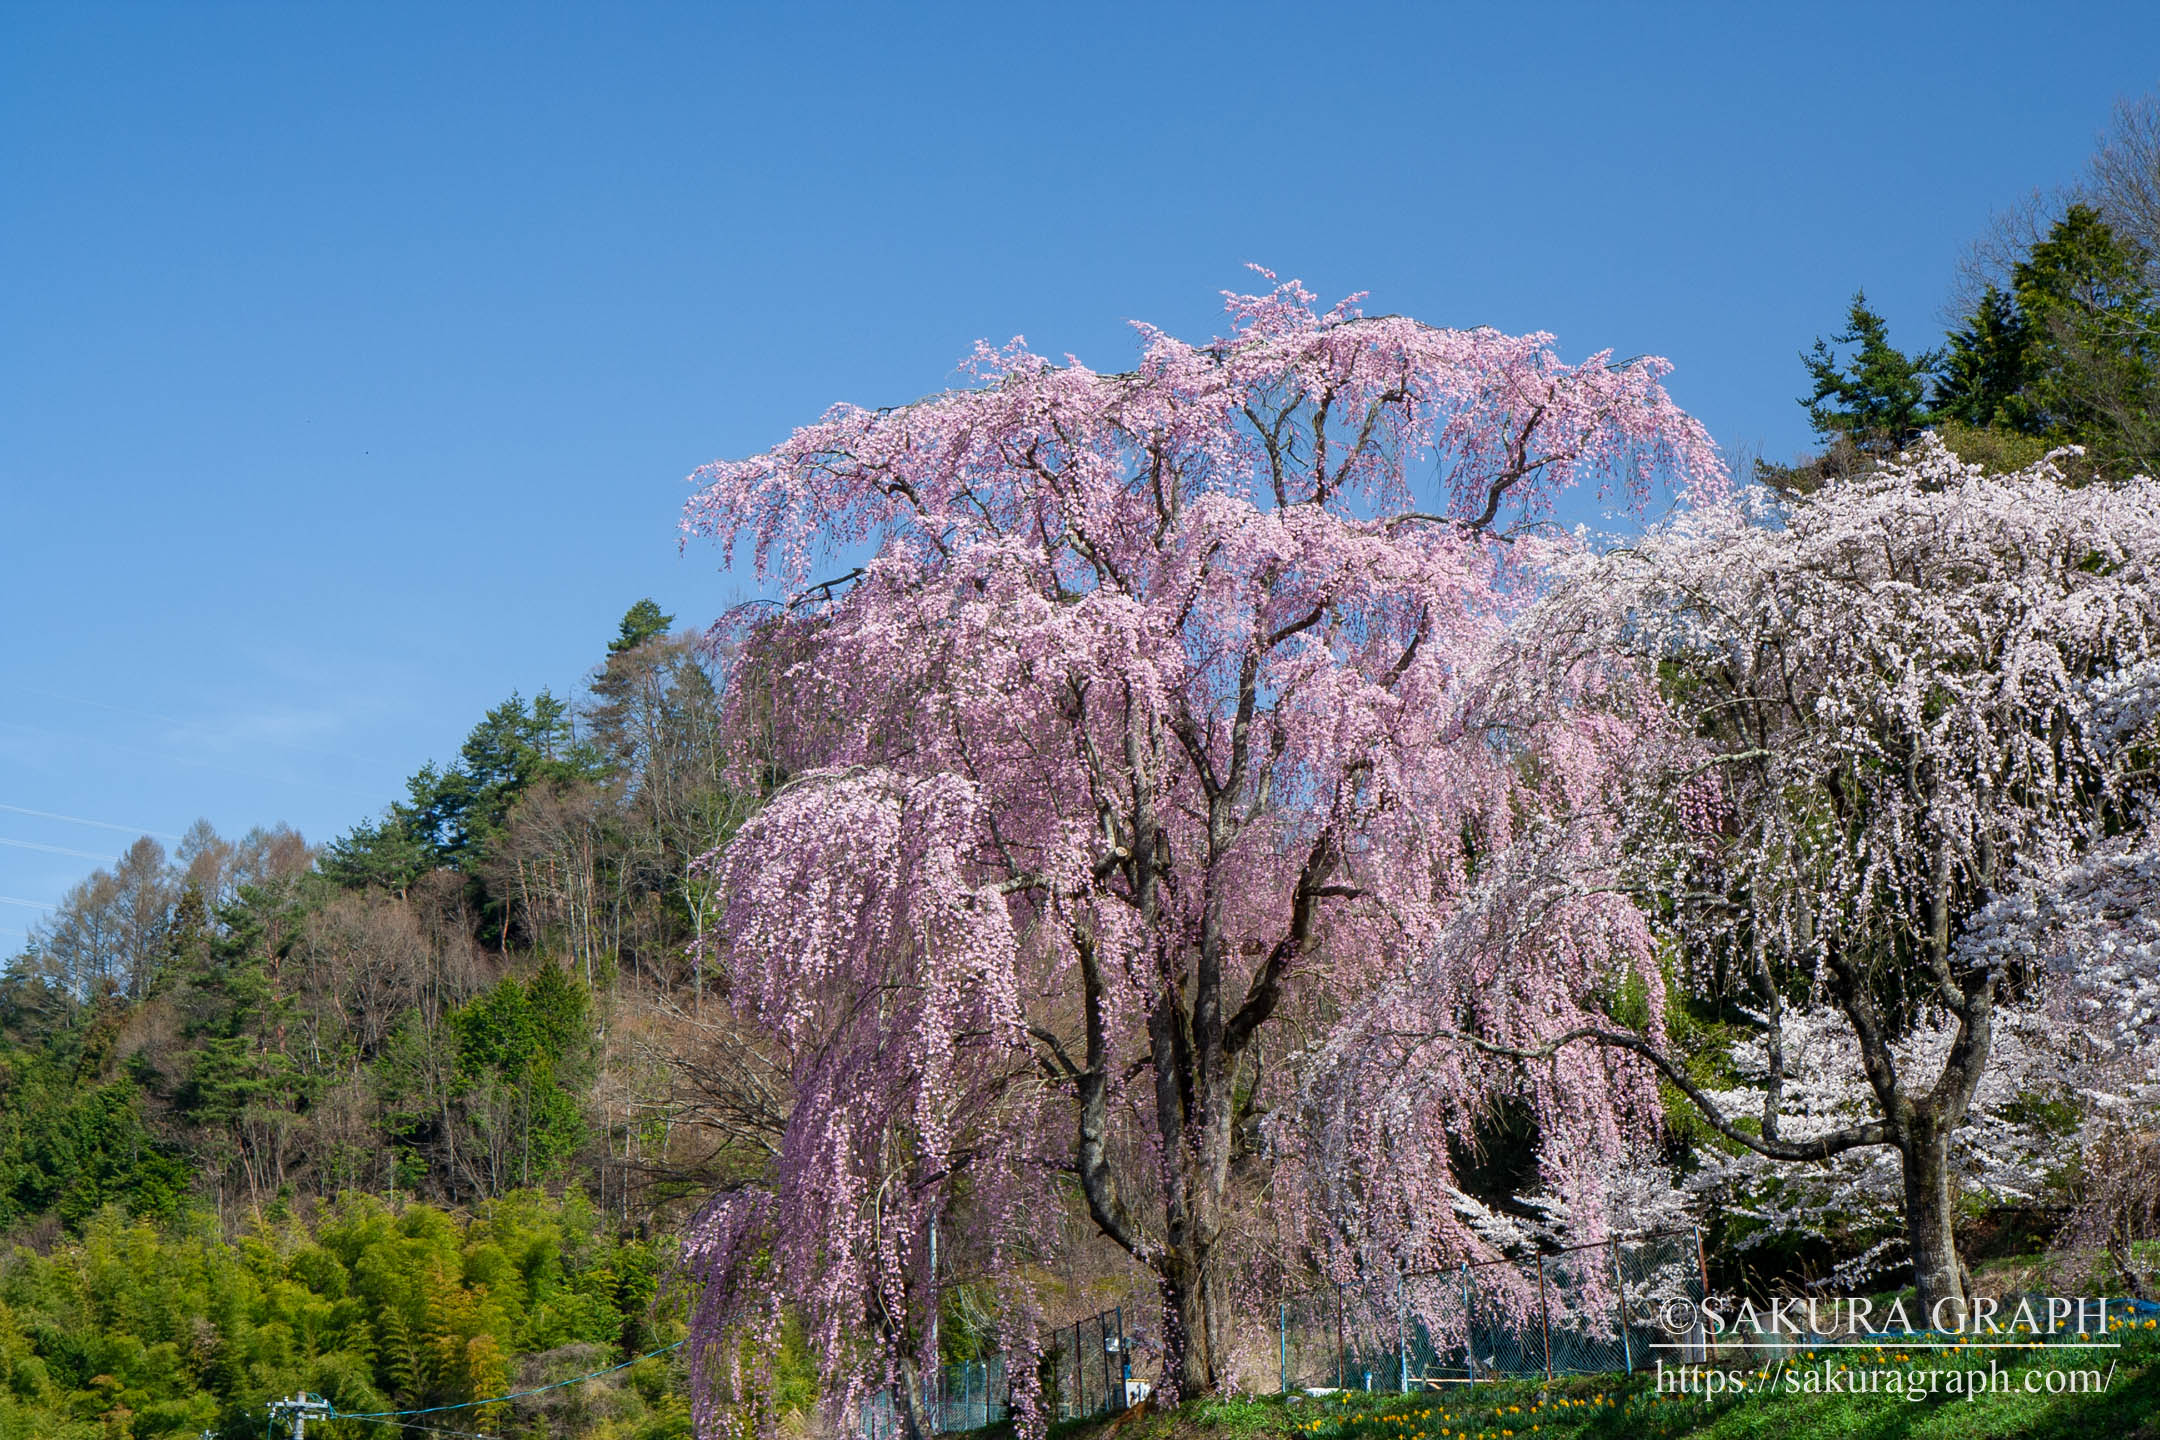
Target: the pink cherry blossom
(1137, 737)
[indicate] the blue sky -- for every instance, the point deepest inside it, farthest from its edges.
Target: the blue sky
(352, 357)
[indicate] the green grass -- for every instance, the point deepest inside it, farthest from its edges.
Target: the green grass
(1609, 1407)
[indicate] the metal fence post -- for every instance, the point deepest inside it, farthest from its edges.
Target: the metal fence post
(1619, 1283)
(1702, 1264)
(1282, 1334)
(1544, 1317)
(1402, 1336)
(1469, 1333)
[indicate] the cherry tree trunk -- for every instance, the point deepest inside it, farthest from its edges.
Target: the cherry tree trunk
(916, 1421)
(1936, 1273)
(1192, 1328)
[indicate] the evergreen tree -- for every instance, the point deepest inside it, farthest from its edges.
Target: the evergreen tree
(644, 621)
(1986, 367)
(460, 809)
(2095, 376)
(453, 813)
(1876, 397)
(386, 854)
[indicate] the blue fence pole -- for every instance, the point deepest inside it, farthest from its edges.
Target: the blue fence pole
(1469, 1329)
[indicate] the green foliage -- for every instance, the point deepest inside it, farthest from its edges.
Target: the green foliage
(69, 1150)
(386, 854)
(270, 1063)
(495, 1095)
(2066, 351)
(1994, 447)
(152, 1330)
(1786, 1400)
(2094, 370)
(525, 1043)
(644, 621)
(1877, 396)
(514, 748)
(2069, 354)
(1985, 369)
(782, 1378)
(452, 813)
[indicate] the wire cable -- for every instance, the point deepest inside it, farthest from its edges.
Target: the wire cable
(424, 1429)
(513, 1395)
(57, 850)
(97, 824)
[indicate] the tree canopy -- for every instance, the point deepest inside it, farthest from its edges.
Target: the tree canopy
(1875, 398)
(1141, 729)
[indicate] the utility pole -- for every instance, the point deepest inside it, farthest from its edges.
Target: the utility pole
(297, 1410)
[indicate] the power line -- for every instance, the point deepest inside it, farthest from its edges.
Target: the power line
(27, 904)
(513, 1395)
(297, 1410)
(56, 850)
(98, 824)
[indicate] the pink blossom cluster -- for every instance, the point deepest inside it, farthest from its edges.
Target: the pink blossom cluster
(1153, 739)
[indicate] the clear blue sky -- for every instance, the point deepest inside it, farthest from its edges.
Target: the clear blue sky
(352, 357)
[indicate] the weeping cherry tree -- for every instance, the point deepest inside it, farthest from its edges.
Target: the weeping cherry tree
(1136, 728)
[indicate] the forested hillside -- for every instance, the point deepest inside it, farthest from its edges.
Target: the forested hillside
(276, 1116)
(477, 993)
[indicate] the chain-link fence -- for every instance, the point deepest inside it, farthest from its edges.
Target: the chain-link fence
(1617, 1306)
(1587, 1309)
(965, 1395)
(971, 1395)
(1086, 1371)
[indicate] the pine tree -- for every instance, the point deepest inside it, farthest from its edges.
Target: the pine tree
(1986, 368)
(644, 621)
(1878, 397)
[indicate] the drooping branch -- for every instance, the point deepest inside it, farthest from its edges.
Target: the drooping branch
(1822, 1147)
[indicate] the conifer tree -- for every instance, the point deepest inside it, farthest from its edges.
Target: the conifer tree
(1876, 397)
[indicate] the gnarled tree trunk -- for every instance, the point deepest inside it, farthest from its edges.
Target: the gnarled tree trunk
(1193, 1339)
(1928, 1222)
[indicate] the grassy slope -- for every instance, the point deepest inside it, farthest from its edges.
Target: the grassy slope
(1605, 1408)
